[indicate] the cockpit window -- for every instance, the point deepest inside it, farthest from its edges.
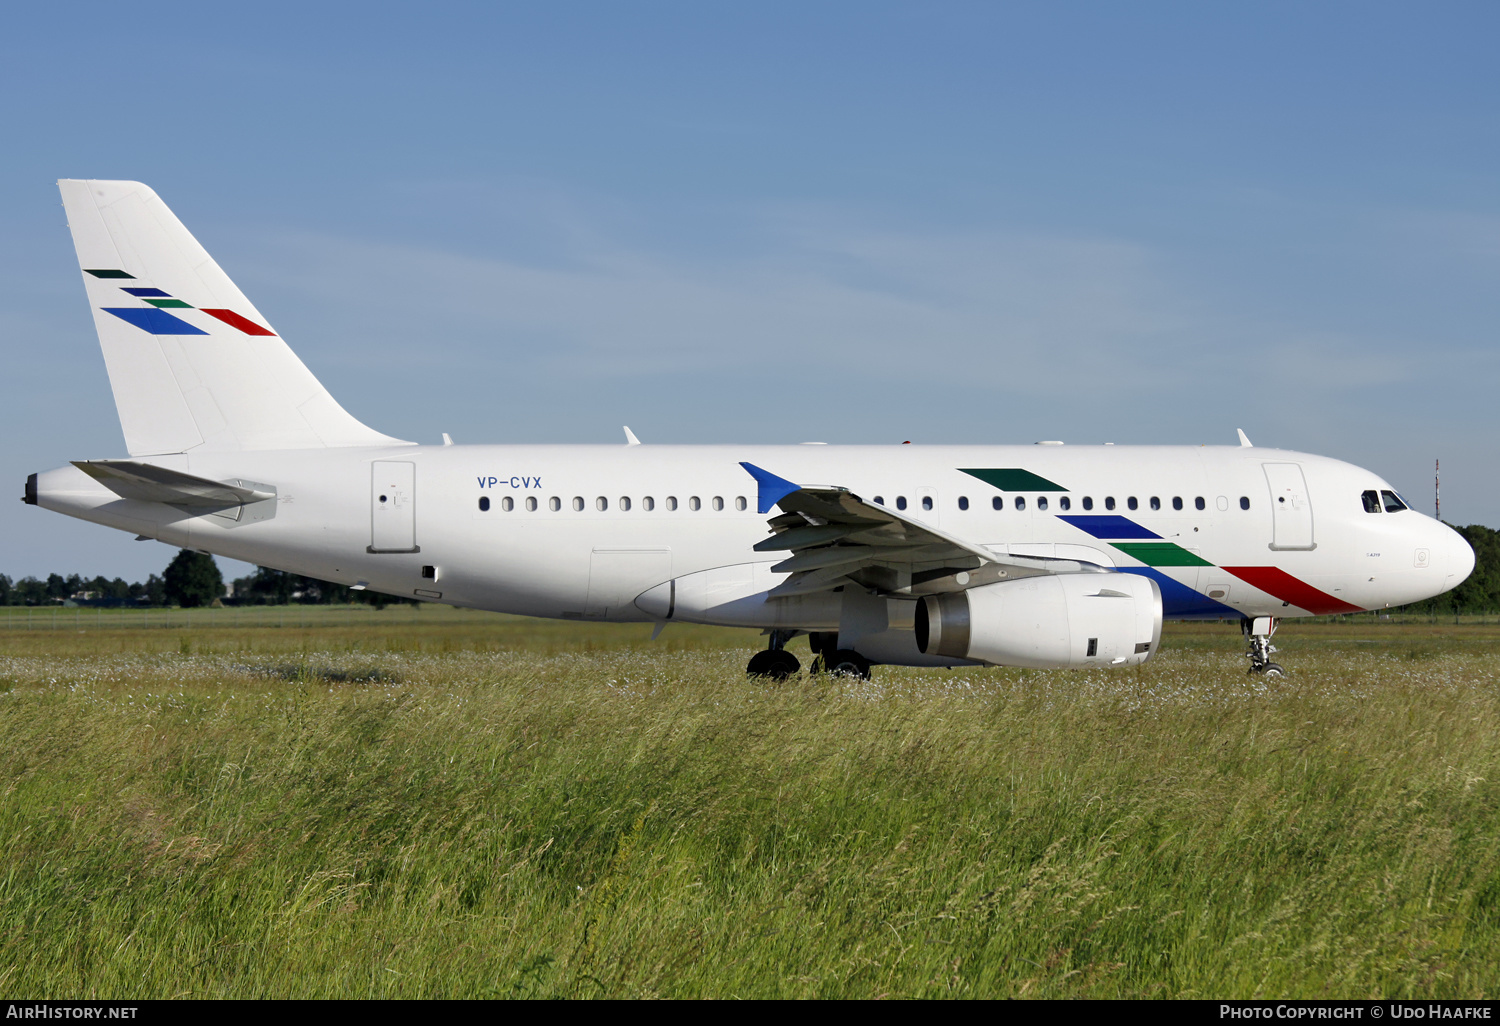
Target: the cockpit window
(1393, 503)
(1371, 500)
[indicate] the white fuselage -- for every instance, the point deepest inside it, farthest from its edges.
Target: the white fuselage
(657, 513)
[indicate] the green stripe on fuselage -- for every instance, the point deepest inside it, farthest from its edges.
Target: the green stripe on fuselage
(1014, 480)
(1160, 554)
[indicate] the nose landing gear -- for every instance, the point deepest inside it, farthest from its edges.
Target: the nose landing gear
(1259, 630)
(775, 663)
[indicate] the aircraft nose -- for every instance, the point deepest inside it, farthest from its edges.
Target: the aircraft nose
(1460, 557)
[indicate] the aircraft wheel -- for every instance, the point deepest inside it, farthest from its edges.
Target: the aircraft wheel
(847, 662)
(1273, 670)
(774, 665)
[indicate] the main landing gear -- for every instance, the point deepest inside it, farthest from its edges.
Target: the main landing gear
(1259, 631)
(775, 663)
(832, 659)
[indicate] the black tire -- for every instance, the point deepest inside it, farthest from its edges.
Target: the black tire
(1273, 670)
(847, 662)
(777, 665)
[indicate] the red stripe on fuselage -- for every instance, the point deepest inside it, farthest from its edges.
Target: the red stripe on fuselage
(1276, 581)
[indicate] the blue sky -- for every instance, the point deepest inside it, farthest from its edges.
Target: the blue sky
(784, 222)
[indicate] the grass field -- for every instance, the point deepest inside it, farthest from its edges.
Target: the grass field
(453, 804)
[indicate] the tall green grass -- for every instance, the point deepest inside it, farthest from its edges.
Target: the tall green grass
(254, 815)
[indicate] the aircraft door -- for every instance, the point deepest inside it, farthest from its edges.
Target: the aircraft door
(617, 576)
(1291, 510)
(927, 508)
(393, 506)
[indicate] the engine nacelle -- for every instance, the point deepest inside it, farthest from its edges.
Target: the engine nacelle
(1061, 620)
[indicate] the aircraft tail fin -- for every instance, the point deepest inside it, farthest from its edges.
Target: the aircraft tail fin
(192, 363)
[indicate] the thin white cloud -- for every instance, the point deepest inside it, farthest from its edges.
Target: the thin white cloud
(1030, 311)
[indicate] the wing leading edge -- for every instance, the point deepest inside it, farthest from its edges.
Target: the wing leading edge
(837, 538)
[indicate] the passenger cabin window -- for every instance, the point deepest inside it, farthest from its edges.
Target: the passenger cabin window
(648, 503)
(531, 503)
(1155, 502)
(578, 503)
(601, 504)
(1393, 503)
(963, 502)
(507, 504)
(1109, 502)
(997, 502)
(484, 504)
(1065, 502)
(671, 502)
(880, 500)
(1088, 502)
(624, 503)
(1041, 502)
(1131, 503)
(694, 503)
(927, 502)
(740, 503)
(1244, 502)
(1020, 502)
(1198, 503)
(1176, 502)
(900, 502)
(718, 502)
(554, 504)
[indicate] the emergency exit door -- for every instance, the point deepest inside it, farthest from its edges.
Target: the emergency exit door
(393, 506)
(1291, 510)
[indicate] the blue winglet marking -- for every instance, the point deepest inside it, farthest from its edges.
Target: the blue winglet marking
(1110, 526)
(772, 489)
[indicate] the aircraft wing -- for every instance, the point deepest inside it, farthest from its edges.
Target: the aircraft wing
(837, 538)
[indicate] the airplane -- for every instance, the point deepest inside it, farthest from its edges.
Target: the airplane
(1044, 555)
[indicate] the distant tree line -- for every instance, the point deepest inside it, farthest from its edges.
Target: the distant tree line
(100, 591)
(267, 587)
(192, 579)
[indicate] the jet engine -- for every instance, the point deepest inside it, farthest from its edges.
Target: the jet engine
(1061, 620)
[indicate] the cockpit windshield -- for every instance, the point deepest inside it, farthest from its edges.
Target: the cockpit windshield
(1371, 499)
(1393, 502)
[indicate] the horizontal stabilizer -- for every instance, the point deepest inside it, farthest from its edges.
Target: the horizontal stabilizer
(146, 483)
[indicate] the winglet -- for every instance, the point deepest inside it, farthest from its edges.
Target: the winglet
(630, 438)
(772, 488)
(1244, 441)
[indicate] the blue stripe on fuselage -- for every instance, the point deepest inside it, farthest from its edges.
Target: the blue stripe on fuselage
(1109, 526)
(1179, 602)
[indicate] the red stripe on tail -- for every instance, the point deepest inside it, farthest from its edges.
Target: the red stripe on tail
(234, 320)
(1275, 581)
